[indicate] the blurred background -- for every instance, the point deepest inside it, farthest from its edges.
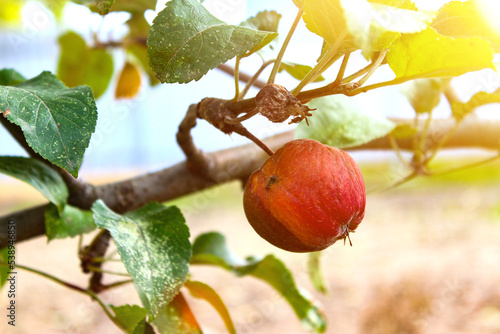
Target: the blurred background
(426, 259)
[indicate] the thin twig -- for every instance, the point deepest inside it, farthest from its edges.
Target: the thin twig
(243, 77)
(195, 157)
(237, 79)
(288, 37)
(322, 65)
(254, 78)
(241, 130)
(103, 271)
(240, 119)
(397, 150)
(376, 64)
(341, 73)
(472, 165)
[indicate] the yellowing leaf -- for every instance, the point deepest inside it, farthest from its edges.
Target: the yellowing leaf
(460, 109)
(141, 54)
(203, 291)
(298, 3)
(369, 26)
(465, 19)
(129, 82)
(81, 65)
(10, 11)
(326, 18)
(375, 26)
(403, 4)
(428, 54)
(177, 317)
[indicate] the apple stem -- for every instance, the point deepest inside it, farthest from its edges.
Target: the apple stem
(241, 130)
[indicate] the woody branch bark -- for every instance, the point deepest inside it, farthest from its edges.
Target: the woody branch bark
(233, 164)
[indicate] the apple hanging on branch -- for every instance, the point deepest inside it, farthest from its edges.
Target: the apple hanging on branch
(305, 197)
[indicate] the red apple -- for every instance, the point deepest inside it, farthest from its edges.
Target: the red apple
(305, 197)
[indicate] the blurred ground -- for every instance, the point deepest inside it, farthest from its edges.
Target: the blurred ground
(426, 259)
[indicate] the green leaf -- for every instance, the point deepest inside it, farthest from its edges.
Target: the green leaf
(56, 7)
(298, 71)
(211, 249)
(38, 175)
(423, 94)
(9, 77)
(71, 222)
(460, 109)
(203, 291)
(177, 318)
(316, 273)
(134, 6)
(428, 54)
(264, 21)
(104, 6)
(4, 271)
(57, 121)
(465, 19)
(186, 41)
(340, 122)
(143, 327)
(130, 316)
(82, 65)
(153, 243)
(131, 6)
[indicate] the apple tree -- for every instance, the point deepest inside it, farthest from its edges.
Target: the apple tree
(366, 45)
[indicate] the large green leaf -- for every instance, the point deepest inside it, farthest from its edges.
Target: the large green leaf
(153, 243)
(466, 19)
(340, 122)
(423, 94)
(211, 249)
(57, 121)
(81, 65)
(71, 222)
(186, 41)
(38, 175)
(428, 54)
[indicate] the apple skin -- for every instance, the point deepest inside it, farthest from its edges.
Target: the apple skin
(305, 197)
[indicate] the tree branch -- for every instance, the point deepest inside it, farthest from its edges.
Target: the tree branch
(234, 164)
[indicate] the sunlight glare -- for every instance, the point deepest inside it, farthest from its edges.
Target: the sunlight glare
(491, 11)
